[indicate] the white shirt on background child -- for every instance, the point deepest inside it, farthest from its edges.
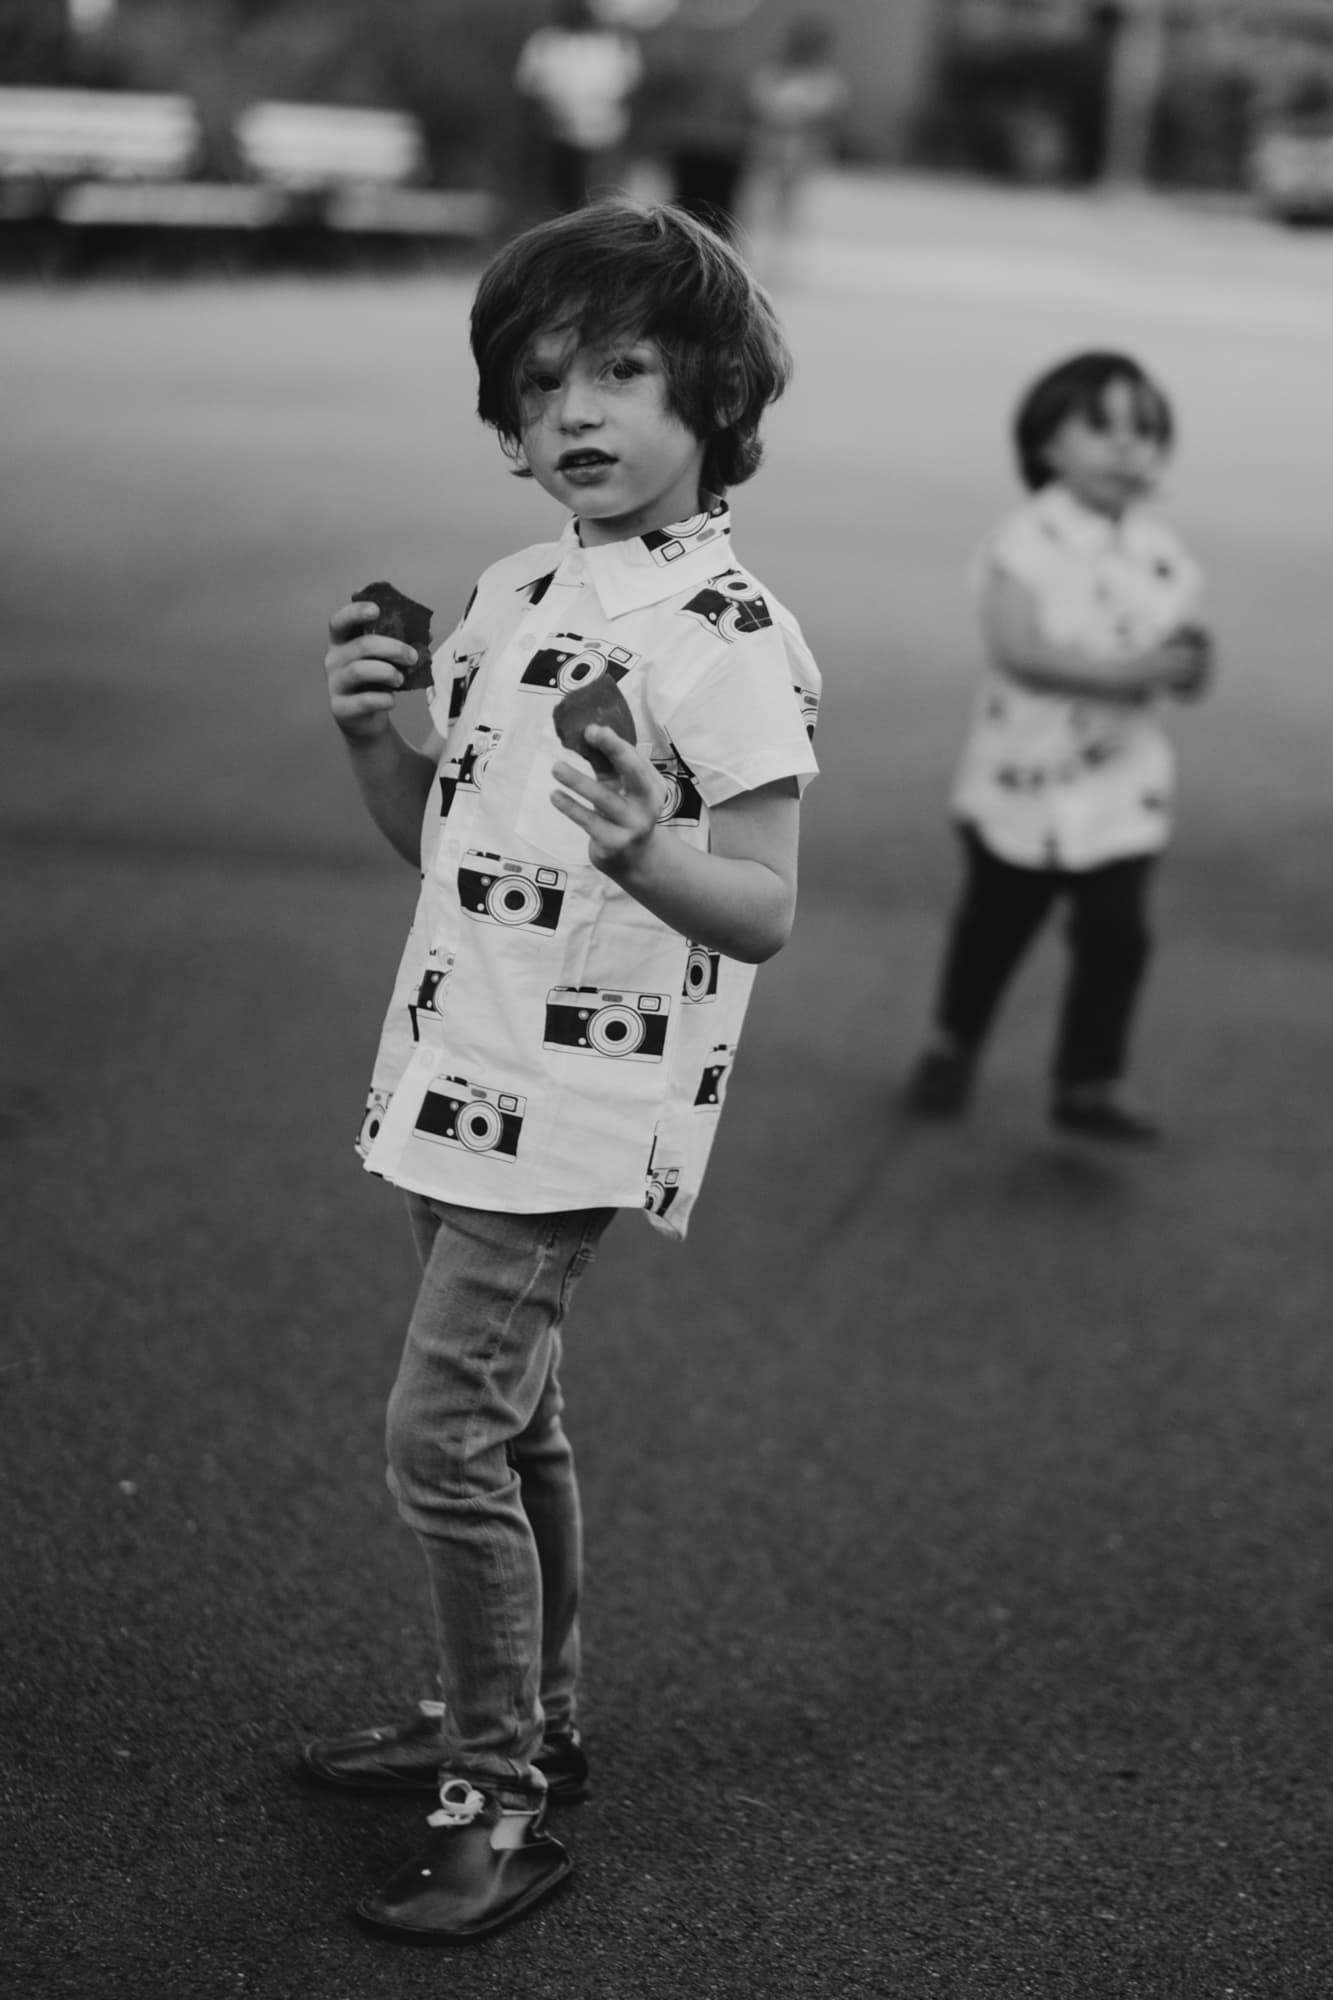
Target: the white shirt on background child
(583, 78)
(550, 1044)
(1054, 780)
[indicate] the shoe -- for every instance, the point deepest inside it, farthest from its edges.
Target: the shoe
(941, 1084)
(406, 1758)
(1096, 1114)
(485, 1862)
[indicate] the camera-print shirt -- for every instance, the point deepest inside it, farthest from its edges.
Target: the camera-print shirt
(550, 1044)
(1061, 781)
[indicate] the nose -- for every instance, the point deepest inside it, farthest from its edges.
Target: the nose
(579, 408)
(1128, 441)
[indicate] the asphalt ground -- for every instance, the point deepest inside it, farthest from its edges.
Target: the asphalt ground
(959, 1619)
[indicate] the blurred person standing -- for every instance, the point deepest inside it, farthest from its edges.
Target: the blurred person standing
(700, 117)
(580, 75)
(796, 100)
(1064, 792)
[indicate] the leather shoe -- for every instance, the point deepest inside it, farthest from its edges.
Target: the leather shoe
(406, 1757)
(1099, 1115)
(941, 1084)
(484, 1863)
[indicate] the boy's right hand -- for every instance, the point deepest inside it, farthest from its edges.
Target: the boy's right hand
(1190, 651)
(364, 670)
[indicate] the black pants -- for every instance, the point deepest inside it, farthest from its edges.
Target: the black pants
(707, 185)
(573, 176)
(1002, 909)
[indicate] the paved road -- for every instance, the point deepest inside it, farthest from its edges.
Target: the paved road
(959, 1517)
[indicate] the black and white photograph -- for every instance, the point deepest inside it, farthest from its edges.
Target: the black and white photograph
(666, 1303)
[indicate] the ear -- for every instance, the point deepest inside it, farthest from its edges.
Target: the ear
(1048, 451)
(728, 395)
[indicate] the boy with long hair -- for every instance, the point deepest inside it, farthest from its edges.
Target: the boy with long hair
(568, 1005)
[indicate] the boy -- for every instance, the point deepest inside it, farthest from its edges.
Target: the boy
(570, 998)
(1064, 793)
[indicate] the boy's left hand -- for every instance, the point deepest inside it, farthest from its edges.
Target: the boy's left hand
(1201, 661)
(619, 815)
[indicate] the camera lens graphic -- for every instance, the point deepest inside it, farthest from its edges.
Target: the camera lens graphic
(698, 974)
(671, 804)
(578, 671)
(479, 1127)
(615, 1031)
(512, 899)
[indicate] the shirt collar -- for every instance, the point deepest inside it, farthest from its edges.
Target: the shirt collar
(1079, 526)
(646, 569)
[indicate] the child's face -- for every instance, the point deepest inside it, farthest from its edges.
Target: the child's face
(1112, 459)
(599, 435)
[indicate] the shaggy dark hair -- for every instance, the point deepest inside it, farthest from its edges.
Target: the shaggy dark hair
(617, 271)
(1078, 388)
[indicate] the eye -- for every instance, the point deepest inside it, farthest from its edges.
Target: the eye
(540, 381)
(623, 369)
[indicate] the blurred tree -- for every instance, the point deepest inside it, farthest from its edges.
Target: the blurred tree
(451, 63)
(36, 42)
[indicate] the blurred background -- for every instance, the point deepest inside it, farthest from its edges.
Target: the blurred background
(959, 1519)
(333, 126)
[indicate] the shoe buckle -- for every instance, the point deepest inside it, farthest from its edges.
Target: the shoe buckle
(460, 1802)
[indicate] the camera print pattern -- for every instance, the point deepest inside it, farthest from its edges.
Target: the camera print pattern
(686, 538)
(549, 1042)
(467, 772)
(730, 605)
(572, 662)
(496, 890)
(599, 1021)
(473, 1116)
(427, 1010)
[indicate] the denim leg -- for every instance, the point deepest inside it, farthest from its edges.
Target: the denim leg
(549, 1491)
(476, 1397)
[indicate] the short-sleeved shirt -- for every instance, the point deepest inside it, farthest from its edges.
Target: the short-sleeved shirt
(550, 1044)
(1064, 781)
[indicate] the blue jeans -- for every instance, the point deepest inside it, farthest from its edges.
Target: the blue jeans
(483, 1473)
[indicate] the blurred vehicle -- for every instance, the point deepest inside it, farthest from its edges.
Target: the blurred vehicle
(1292, 162)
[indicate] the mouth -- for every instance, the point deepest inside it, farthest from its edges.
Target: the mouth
(583, 461)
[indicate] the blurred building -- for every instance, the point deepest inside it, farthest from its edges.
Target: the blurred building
(1039, 90)
(1070, 90)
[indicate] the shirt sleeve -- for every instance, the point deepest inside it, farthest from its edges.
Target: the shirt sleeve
(743, 716)
(1022, 548)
